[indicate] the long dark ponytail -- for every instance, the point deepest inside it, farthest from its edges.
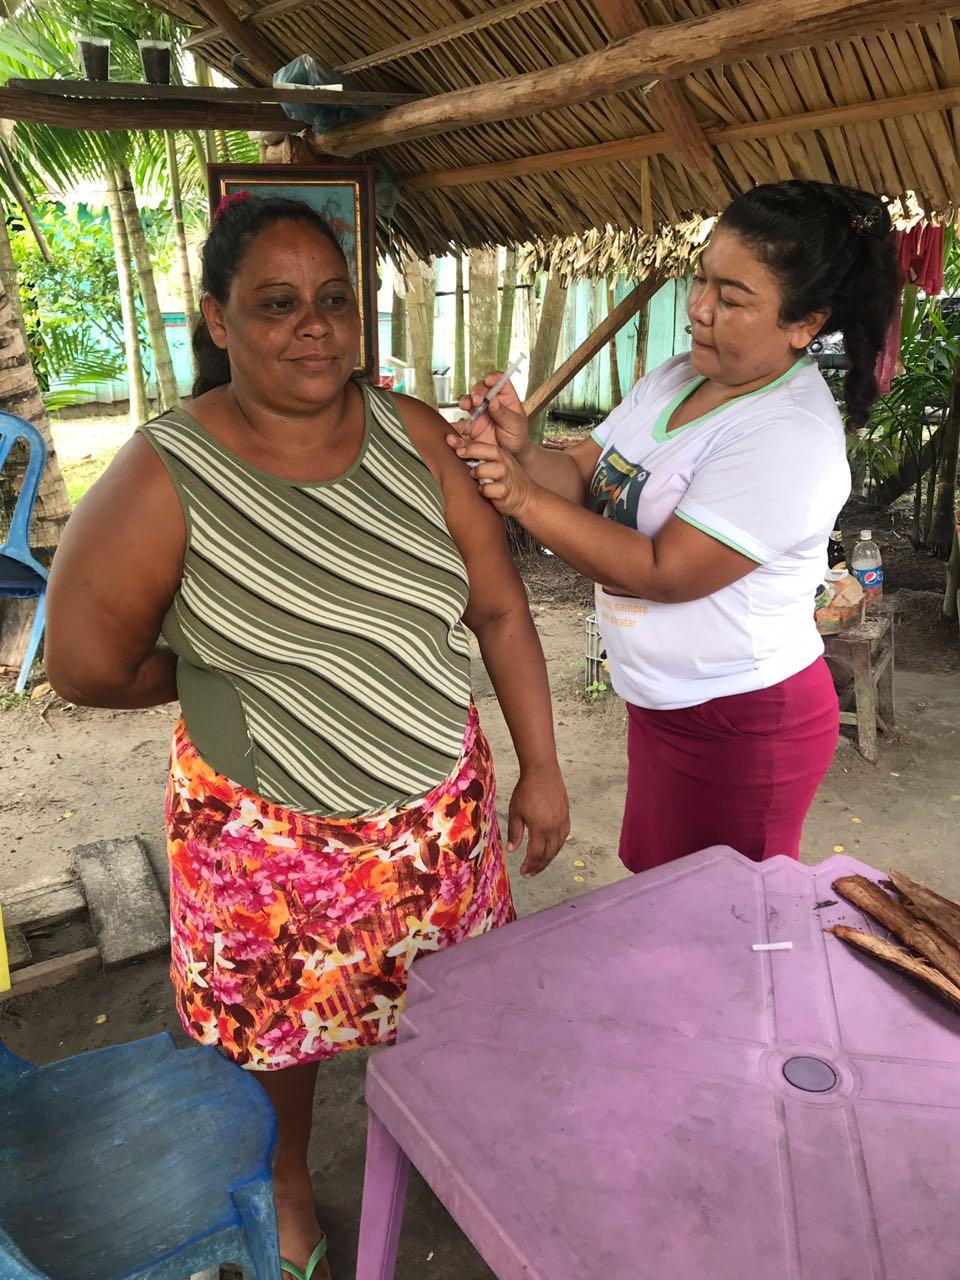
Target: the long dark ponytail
(831, 248)
(235, 225)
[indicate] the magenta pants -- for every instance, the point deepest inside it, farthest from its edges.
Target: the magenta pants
(739, 771)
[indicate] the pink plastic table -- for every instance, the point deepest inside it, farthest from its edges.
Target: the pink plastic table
(601, 1091)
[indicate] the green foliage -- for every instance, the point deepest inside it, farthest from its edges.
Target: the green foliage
(10, 701)
(905, 419)
(71, 306)
(39, 42)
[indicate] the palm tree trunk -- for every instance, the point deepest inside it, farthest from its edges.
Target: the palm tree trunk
(421, 281)
(20, 395)
(8, 274)
(508, 295)
(484, 297)
(544, 357)
(459, 335)
(183, 257)
(139, 405)
(162, 361)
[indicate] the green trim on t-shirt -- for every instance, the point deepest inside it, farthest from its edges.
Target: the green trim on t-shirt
(660, 432)
(712, 533)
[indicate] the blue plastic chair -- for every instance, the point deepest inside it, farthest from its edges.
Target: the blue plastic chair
(139, 1162)
(21, 576)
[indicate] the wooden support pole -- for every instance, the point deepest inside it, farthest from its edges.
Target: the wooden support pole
(651, 144)
(661, 53)
(263, 59)
(596, 341)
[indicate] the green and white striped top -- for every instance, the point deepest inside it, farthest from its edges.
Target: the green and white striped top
(323, 662)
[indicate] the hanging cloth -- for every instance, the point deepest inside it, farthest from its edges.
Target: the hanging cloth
(920, 255)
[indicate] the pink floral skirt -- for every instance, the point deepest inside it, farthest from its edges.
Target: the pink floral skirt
(292, 935)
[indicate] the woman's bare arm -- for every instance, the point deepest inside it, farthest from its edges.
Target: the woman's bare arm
(114, 575)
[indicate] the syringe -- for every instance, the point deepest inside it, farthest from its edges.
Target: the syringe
(497, 387)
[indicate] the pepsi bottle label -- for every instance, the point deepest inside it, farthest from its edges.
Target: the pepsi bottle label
(870, 579)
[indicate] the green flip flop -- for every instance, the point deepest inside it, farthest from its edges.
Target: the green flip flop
(319, 1253)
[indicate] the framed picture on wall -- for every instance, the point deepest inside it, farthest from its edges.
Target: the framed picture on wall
(343, 194)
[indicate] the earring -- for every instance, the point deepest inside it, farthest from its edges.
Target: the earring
(687, 328)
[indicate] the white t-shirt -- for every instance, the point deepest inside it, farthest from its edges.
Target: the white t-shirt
(766, 474)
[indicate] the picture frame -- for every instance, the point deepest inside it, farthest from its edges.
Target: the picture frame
(341, 193)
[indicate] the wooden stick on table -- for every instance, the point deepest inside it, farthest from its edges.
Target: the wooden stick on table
(920, 936)
(899, 959)
(936, 910)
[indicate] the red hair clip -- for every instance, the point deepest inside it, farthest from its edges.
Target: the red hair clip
(227, 201)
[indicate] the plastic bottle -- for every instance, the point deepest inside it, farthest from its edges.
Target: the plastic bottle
(868, 567)
(836, 555)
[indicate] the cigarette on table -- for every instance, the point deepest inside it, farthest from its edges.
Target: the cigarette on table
(773, 946)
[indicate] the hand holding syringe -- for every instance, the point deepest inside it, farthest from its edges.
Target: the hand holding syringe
(493, 392)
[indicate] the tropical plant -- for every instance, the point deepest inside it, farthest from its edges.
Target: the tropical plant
(909, 439)
(72, 304)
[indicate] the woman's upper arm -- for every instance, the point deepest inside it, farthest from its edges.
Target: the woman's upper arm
(585, 455)
(495, 585)
(115, 572)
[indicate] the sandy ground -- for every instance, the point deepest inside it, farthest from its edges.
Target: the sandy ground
(72, 776)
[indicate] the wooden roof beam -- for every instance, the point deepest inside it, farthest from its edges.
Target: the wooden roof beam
(659, 53)
(468, 26)
(624, 18)
(650, 144)
(440, 35)
(262, 59)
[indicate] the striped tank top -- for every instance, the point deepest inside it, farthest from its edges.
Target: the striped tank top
(323, 662)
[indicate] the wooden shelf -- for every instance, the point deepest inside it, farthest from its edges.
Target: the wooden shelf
(114, 90)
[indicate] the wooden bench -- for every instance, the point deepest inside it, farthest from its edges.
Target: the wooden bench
(861, 661)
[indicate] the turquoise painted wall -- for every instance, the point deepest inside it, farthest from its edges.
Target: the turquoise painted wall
(591, 390)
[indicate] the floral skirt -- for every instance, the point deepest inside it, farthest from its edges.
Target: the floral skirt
(292, 935)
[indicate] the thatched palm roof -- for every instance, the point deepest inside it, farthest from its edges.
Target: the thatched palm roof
(535, 125)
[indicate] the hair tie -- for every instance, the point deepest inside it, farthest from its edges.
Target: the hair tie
(866, 223)
(227, 201)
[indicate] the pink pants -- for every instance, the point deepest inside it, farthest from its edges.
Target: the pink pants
(738, 771)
